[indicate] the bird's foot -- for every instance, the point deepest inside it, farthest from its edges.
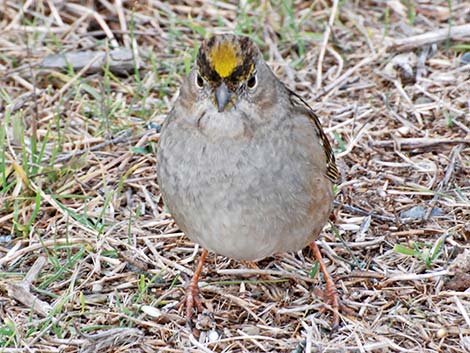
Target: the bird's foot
(330, 295)
(192, 300)
(332, 302)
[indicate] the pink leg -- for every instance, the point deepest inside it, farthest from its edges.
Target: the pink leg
(330, 294)
(192, 292)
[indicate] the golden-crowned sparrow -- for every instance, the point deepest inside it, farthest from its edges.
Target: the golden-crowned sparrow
(243, 164)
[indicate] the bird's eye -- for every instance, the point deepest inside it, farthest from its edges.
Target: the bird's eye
(199, 81)
(252, 81)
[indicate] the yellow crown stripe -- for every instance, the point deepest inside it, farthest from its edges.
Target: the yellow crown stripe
(224, 59)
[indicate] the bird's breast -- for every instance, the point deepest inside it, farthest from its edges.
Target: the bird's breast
(242, 197)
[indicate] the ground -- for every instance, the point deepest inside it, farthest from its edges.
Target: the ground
(90, 259)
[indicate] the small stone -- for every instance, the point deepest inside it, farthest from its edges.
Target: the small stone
(404, 130)
(212, 336)
(423, 100)
(5, 238)
(402, 67)
(153, 125)
(419, 212)
(442, 332)
(251, 330)
(465, 59)
(96, 288)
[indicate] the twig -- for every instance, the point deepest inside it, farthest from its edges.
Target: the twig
(453, 32)
(121, 138)
(418, 143)
(20, 291)
(462, 309)
(326, 36)
(362, 274)
(261, 272)
(45, 244)
(358, 244)
(120, 61)
(76, 8)
(449, 172)
(415, 276)
(362, 212)
(340, 80)
(72, 80)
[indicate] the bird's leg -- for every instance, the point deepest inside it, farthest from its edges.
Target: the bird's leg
(330, 296)
(192, 292)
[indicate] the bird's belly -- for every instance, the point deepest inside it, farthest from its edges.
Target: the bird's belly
(242, 200)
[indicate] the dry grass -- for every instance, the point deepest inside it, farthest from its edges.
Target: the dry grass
(91, 262)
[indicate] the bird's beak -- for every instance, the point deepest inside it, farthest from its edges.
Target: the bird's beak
(222, 97)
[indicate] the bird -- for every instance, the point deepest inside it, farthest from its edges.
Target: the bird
(243, 164)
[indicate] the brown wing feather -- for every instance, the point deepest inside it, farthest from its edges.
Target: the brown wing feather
(331, 169)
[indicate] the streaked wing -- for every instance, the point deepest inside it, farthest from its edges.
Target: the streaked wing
(331, 169)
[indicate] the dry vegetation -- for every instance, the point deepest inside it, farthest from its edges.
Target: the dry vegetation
(90, 261)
